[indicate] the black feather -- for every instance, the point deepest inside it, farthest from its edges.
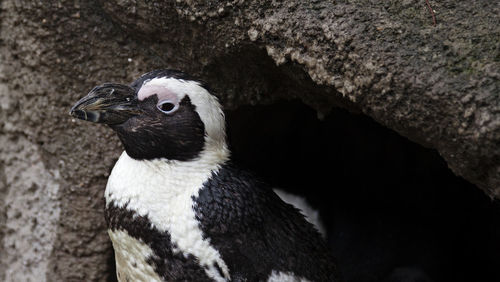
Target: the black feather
(256, 232)
(169, 265)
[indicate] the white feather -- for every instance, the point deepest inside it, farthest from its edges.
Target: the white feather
(131, 255)
(284, 277)
(311, 214)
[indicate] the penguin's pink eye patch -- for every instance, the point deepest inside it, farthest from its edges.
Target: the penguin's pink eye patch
(162, 92)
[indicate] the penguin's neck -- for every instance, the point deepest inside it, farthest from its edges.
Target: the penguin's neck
(146, 185)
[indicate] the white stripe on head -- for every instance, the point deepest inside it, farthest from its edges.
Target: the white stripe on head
(207, 105)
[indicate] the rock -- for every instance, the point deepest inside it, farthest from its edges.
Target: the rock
(438, 86)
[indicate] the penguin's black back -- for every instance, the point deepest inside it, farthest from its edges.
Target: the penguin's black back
(256, 232)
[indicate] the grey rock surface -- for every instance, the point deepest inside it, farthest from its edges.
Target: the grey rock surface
(438, 86)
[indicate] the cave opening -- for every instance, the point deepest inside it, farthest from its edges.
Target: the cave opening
(393, 210)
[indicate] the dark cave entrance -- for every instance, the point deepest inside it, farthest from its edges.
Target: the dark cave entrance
(392, 208)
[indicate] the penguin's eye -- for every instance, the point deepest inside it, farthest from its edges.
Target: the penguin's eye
(167, 107)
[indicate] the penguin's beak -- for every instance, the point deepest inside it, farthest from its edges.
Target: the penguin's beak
(109, 103)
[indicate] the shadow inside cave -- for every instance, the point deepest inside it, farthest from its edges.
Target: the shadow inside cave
(392, 208)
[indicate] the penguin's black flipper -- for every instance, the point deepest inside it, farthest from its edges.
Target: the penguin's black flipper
(256, 233)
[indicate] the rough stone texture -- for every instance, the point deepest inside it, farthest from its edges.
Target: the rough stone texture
(32, 212)
(438, 86)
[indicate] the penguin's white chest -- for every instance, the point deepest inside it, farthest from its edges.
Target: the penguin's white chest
(163, 192)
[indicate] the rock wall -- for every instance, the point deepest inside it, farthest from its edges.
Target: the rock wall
(436, 85)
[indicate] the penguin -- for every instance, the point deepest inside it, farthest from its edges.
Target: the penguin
(177, 208)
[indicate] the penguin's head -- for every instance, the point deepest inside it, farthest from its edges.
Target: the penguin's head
(163, 114)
